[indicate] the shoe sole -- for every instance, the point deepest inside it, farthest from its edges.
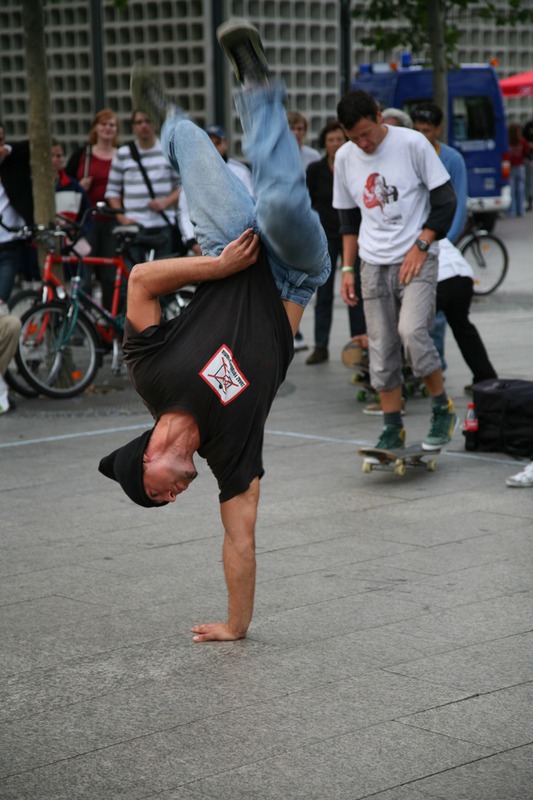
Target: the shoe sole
(233, 32)
(141, 75)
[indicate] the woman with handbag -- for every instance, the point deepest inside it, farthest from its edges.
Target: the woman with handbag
(90, 166)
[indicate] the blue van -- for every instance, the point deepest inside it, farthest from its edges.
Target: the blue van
(476, 124)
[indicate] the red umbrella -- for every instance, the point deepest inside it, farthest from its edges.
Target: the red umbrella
(518, 85)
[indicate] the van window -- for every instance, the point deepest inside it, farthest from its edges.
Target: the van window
(473, 118)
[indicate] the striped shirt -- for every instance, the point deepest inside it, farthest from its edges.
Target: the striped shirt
(127, 183)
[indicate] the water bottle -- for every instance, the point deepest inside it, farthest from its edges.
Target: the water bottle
(470, 428)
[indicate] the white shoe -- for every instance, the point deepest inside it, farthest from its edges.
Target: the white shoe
(4, 396)
(522, 479)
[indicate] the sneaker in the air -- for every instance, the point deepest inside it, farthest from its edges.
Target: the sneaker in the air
(242, 44)
(147, 94)
(522, 480)
(441, 428)
(392, 438)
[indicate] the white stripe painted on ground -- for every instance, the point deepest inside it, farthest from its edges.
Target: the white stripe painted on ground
(289, 434)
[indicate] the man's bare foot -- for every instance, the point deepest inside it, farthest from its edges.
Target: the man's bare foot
(216, 632)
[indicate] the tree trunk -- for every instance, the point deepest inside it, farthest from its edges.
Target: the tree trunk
(39, 111)
(436, 21)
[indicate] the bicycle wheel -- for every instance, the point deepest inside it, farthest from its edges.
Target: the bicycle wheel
(488, 257)
(173, 304)
(57, 357)
(18, 304)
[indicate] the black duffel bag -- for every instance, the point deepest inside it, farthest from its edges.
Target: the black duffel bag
(504, 410)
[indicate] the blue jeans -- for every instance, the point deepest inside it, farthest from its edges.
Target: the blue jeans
(518, 190)
(10, 259)
(221, 208)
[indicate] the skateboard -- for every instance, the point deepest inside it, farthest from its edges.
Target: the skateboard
(399, 460)
(355, 358)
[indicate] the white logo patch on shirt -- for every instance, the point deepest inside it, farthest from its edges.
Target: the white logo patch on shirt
(223, 375)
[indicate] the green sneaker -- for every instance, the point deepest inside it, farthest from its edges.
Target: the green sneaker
(441, 428)
(242, 44)
(392, 438)
(147, 94)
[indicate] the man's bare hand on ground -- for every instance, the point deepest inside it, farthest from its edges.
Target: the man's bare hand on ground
(239, 254)
(215, 632)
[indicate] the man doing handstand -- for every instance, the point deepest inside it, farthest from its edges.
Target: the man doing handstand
(209, 376)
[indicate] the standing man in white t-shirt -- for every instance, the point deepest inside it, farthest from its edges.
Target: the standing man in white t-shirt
(397, 181)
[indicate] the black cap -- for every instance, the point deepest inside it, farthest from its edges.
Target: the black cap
(125, 466)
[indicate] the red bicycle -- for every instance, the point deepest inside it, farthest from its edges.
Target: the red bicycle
(43, 361)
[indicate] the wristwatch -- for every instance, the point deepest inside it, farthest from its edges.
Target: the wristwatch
(422, 244)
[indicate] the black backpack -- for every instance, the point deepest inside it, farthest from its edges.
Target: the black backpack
(504, 410)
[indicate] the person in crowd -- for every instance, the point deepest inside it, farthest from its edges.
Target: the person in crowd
(455, 287)
(427, 118)
(396, 180)
(142, 182)
(9, 336)
(528, 136)
(298, 124)
(72, 203)
(518, 155)
(210, 375)
(396, 117)
(320, 184)
(90, 165)
(16, 210)
(217, 134)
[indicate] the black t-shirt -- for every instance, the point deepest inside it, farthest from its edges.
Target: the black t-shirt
(222, 361)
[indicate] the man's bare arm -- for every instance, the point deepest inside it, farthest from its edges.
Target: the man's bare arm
(349, 253)
(151, 280)
(239, 516)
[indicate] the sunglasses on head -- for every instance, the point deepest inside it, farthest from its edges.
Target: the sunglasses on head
(424, 115)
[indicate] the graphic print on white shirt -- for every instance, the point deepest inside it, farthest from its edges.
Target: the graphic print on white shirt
(378, 193)
(223, 375)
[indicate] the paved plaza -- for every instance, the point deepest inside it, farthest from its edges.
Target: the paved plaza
(390, 652)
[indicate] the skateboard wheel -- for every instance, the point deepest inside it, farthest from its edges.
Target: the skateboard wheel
(361, 395)
(432, 466)
(367, 467)
(425, 392)
(399, 469)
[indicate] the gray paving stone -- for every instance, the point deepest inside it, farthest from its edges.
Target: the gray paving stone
(504, 776)
(476, 622)
(501, 719)
(480, 668)
(344, 768)
(466, 586)
(282, 722)
(516, 542)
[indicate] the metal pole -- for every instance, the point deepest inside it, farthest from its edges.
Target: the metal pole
(345, 46)
(97, 54)
(219, 67)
